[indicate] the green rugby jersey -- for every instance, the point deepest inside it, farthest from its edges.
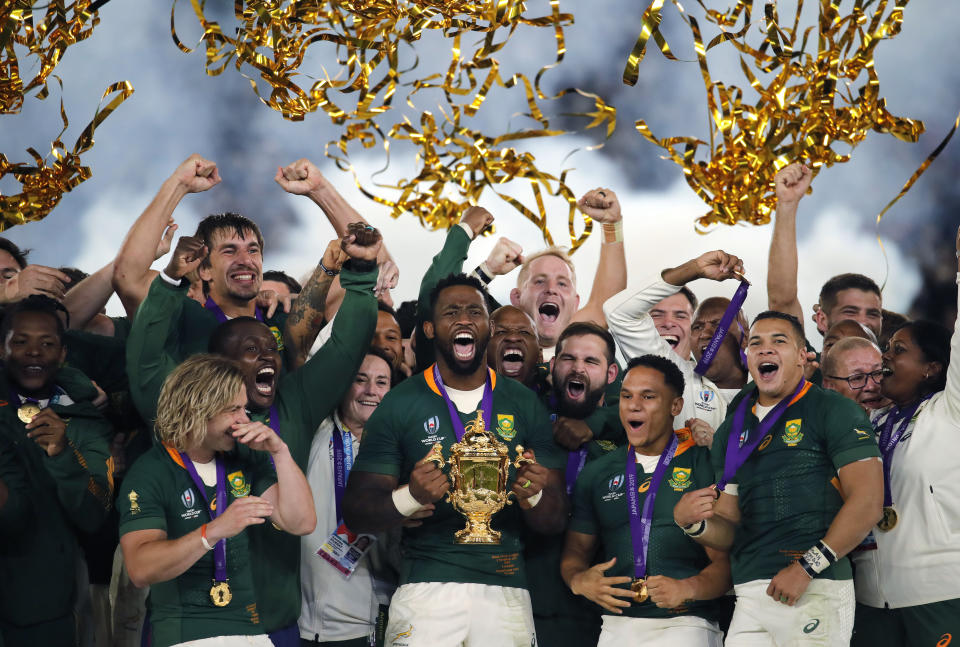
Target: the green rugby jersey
(787, 488)
(410, 419)
(600, 508)
(158, 493)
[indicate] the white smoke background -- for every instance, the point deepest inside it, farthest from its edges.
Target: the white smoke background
(177, 110)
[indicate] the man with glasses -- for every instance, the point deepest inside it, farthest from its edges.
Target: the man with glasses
(853, 368)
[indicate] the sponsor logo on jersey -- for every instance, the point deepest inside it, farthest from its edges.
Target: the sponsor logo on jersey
(505, 426)
(680, 480)
(615, 487)
(431, 427)
(189, 501)
(402, 634)
(645, 485)
(811, 626)
(705, 400)
(766, 441)
(791, 432)
(945, 640)
(239, 487)
(134, 502)
(862, 434)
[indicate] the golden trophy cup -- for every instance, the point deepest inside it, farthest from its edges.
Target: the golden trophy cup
(479, 468)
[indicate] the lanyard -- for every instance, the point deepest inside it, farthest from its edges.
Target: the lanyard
(486, 404)
(738, 451)
(221, 316)
(342, 463)
(575, 462)
(220, 548)
(641, 521)
(889, 438)
(721, 332)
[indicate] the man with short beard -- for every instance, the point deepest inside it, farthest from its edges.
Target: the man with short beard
(656, 320)
(582, 369)
(465, 594)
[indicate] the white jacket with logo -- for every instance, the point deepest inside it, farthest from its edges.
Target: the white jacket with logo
(333, 607)
(918, 562)
(636, 334)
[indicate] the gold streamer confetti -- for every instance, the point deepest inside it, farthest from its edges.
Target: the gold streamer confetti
(43, 184)
(46, 37)
(456, 162)
(809, 101)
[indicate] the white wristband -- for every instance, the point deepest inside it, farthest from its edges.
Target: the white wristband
(816, 559)
(535, 499)
(167, 279)
(467, 228)
(404, 502)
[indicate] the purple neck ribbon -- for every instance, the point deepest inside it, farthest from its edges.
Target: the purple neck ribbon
(721, 332)
(575, 463)
(342, 462)
(889, 438)
(486, 404)
(641, 522)
(221, 316)
(220, 548)
(737, 451)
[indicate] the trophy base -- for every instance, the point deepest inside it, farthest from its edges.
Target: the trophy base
(477, 533)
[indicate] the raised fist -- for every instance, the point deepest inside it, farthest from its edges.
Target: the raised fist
(792, 182)
(601, 205)
(196, 174)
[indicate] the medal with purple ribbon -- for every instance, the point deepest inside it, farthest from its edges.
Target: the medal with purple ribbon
(739, 449)
(889, 438)
(221, 316)
(642, 521)
(220, 593)
(710, 352)
(486, 404)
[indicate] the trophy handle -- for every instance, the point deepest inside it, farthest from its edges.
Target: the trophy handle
(520, 460)
(435, 456)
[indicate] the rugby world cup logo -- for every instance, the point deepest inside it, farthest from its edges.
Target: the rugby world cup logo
(431, 425)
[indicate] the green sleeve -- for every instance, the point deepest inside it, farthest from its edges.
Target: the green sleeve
(718, 451)
(16, 511)
(849, 434)
(583, 518)
(83, 472)
(152, 344)
(141, 500)
(264, 472)
(548, 453)
(449, 260)
(321, 383)
(380, 450)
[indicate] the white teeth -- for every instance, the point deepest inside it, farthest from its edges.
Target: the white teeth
(265, 389)
(266, 370)
(367, 403)
(512, 355)
(463, 338)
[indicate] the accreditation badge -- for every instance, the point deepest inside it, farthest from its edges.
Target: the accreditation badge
(343, 549)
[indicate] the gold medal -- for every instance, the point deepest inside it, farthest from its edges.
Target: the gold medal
(639, 588)
(220, 594)
(27, 411)
(889, 520)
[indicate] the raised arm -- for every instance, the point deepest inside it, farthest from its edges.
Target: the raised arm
(951, 392)
(791, 183)
(131, 268)
(611, 277)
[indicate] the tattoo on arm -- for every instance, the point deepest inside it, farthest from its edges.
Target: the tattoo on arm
(306, 314)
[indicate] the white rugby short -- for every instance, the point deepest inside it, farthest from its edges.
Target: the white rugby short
(823, 616)
(688, 631)
(260, 640)
(453, 614)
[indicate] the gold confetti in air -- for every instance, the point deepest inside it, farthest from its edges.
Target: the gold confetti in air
(817, 88)
(45, 30)
(456, 162)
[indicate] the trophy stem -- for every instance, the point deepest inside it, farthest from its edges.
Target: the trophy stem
(478, 531)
